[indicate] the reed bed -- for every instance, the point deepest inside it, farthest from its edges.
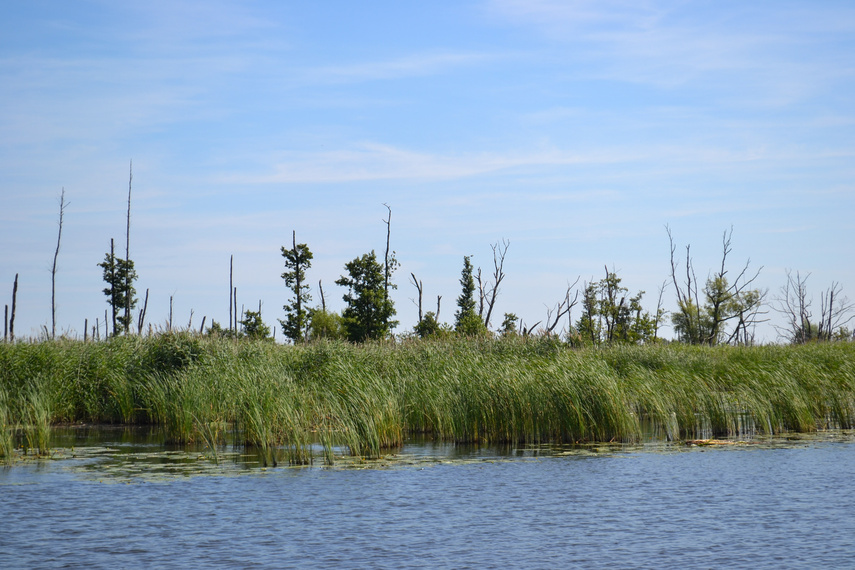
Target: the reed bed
(288, 402)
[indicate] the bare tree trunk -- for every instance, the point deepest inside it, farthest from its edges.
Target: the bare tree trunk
(235, 329)
(231, 287)
(142, 314)
(386, 269)
(323, 300)
(298, 270)
(500, 249)
(420, 288)
(113, 283)
(85, 329)
(106, 325)
(481, 295)
(128, 254)
(96, 332)
(14, 305)
(438, 299)
(170, 314)
(6, 324)
(202, 328)
(53, 268)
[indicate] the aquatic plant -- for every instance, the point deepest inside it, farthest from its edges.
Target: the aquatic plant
(284, 401)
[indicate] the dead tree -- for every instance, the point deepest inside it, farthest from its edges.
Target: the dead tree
(14, 306)
(128, 300)
(703, 322)
(500, 249)
(323, 300)
(141, 318)
(62, 205)
(563, 307)
(794, 304)
(420, 288)
(231, 287)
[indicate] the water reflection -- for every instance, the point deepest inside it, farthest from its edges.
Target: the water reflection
(134, 453)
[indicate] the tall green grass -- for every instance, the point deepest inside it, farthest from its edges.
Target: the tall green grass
(286, 401)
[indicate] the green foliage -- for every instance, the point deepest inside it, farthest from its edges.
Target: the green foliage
(369, 310)
(509, 325)
(253, 327)
(325, 325)
(365, 398)
(466, 320)
(609, 316)
(429, 327)
(297, 260)
(119, 274)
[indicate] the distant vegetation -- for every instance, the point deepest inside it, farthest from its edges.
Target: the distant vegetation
(724, 308)
(364, 398)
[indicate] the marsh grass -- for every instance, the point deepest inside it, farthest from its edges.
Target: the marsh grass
(286, 402)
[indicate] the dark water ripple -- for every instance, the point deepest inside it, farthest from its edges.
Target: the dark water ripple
(714, 508)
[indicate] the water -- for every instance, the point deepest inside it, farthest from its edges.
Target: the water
(777, 504)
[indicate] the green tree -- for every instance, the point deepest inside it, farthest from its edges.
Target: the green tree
(466, 320)
(119, 274)
(724, 310)
(297, 260)
(325, 325)
(253, 327)
(369, 309)
(609, 316)
(430, 327)
(509, 325)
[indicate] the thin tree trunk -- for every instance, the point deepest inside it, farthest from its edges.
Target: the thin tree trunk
(6, 324)
(170, 314)
(202, 328)
(128, 254)
(53, 268)
(142, 314)
(14, 305)
(323, 301)
(388, 222)
(113, 283)
(299, 285)
(231, 287)
(85, 329)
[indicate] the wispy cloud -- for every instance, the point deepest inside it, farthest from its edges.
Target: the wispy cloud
(419, 64)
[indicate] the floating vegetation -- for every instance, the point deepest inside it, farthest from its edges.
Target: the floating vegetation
(322, 402)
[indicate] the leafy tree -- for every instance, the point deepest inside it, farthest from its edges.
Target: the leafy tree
(430, 327)
(297, 260)
(369, 309)
(509, 325)
(119, 274)
(216, 329)
(724, 311)
(466, 320)
(325, 325)
(253, 327)
(610, 316)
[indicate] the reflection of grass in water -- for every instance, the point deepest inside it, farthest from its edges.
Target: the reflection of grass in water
(141, 464)
(284, 402)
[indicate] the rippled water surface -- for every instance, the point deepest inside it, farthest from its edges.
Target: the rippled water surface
(134, 504)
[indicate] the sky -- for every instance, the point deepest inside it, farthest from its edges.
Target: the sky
(576, 130)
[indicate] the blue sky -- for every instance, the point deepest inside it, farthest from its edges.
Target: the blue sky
(576, 130)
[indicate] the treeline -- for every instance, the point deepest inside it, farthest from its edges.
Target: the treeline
(724, 308)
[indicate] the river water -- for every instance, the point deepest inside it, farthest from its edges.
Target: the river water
(134, 504)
